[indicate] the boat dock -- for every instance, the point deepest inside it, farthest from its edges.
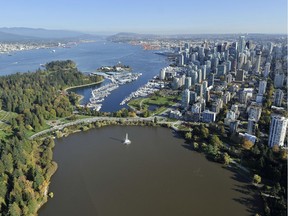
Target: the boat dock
(117, 79)
(143, 91)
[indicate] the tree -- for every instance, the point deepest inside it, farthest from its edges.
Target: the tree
(38, 178)
(261, 163)
(215, 141)
(32, 206)
(247, 144)
(188, 135)
(14, 210)
(155, 120)
(3, 185)
(222, 130)
(2, 167)
(283, 154)
(257, 179)
(204, 131)
(275, 148)
(227, 159)
(7, 160)
(35, 123)
(196, 146)
(213, 153)
(255, 150)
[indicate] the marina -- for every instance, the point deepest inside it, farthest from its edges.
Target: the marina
(149, 88)
(116, 79)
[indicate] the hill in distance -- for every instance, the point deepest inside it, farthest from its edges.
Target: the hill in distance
(32, 34)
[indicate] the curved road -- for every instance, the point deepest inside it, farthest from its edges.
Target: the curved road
(90, 120)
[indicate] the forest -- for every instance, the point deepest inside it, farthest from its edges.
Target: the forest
(26, 166)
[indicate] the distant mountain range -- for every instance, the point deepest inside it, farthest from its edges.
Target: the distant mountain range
(126, 37)
(18, 34)
(32, 34)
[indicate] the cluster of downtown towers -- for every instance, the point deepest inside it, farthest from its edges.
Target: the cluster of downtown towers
(213, 74)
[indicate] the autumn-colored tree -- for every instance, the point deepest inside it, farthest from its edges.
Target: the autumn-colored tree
(275, 148)
(247, 144)
(283, 154)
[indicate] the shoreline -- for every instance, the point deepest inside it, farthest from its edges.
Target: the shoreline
(11, 47)
(84, 85)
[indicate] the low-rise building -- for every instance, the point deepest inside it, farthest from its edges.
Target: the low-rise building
(250, 137)
(175, 114)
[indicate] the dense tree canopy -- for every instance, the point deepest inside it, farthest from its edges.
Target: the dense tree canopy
(40, 95)
(26, 166)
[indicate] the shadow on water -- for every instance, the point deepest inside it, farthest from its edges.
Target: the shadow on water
(189, 147)
(251, 199)
(116, 139)
(177, 135)
(239, 175)
(252, 203)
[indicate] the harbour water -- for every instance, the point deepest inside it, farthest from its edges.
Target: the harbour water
(89, 57)
(155, 175)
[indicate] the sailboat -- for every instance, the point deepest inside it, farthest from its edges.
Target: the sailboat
(126, 141)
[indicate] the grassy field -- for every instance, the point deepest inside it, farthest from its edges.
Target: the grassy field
(155, 100)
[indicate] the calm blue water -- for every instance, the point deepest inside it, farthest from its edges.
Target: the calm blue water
(89, 57)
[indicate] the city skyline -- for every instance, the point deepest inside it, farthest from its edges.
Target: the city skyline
(169, 17)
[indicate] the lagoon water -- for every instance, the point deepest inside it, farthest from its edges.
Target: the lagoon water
(155, 175)
(89, 57)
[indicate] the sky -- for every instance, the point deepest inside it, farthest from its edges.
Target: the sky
(148, 16)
